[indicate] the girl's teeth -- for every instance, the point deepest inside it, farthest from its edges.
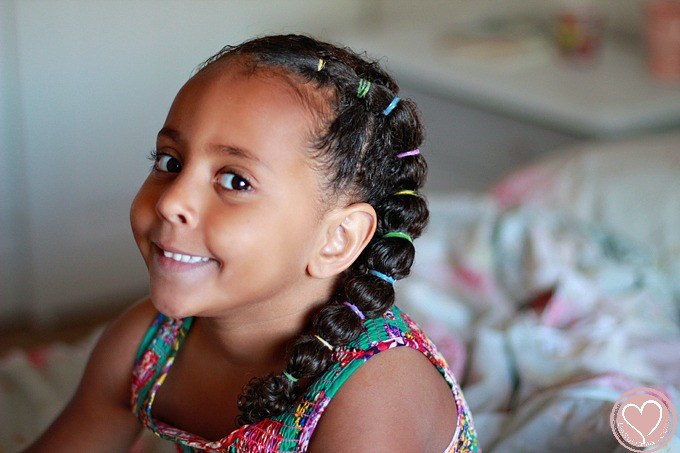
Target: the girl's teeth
(185, 258)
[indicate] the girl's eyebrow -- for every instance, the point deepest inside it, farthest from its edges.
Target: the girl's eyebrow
(176, 137)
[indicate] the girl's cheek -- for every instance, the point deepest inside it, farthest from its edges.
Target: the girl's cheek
(141, 212)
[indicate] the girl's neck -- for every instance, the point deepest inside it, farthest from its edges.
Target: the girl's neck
(257, 337)
(250, 344)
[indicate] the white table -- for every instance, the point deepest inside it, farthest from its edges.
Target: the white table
(614, 97)
(485, 116)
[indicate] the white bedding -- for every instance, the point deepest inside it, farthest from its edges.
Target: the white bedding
(545, 319)
(559, 290)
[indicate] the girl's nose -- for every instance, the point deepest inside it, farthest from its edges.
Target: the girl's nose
(178, 204)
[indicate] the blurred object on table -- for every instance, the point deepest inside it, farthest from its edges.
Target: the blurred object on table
(518, 41)
(662, 32)
(578, 33)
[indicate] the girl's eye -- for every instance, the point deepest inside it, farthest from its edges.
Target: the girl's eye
(232, 181)
(167, 163)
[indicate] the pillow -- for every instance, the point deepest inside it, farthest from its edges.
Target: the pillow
(631, 188)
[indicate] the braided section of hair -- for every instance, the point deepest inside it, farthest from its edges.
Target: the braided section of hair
(356, 147)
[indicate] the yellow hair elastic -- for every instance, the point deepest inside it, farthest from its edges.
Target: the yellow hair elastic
(324, 342)
(407, 192)
(321, 65)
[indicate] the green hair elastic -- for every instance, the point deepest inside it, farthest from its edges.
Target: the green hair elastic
(399, 234)
(290, 377)
(364, 86)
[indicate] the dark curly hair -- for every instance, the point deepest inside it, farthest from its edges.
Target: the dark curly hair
(357, 146)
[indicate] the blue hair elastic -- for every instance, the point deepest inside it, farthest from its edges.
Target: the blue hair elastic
(391, 107)
(385, 277)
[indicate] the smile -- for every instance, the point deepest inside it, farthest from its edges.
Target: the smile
(185, 258)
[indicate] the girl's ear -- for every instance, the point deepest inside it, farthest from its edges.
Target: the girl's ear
(347, 232)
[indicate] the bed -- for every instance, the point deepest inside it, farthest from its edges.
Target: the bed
(550, 295)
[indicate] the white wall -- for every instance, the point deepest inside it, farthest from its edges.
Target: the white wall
(85, 87)
(621, 16)
(14, 263)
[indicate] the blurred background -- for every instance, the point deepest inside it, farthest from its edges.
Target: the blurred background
(85, 85)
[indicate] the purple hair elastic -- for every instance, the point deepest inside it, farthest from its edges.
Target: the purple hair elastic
(355, 309)
(414, 152)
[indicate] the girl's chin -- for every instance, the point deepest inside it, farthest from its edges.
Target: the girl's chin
(171, 307)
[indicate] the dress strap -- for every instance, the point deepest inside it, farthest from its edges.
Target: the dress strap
(160, 343)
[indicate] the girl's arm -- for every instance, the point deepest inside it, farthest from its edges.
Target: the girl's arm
(98, 418)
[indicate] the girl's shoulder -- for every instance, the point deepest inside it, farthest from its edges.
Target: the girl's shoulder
(404, 391)
(124, 333)
(397, 400)
(108, 368)
(98, 417)
(116, 349)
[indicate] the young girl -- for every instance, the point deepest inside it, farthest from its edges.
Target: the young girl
(280, 210)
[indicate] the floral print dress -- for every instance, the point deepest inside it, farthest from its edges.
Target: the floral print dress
(292, 430)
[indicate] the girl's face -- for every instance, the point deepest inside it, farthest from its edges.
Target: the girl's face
(230, 213)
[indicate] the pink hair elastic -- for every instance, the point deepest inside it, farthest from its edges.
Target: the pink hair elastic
(355, 309)
(414, 152)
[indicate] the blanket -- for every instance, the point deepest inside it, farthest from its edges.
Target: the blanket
(545, 319)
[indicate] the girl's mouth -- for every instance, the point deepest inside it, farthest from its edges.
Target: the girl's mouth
(176, 261)
(191, 259)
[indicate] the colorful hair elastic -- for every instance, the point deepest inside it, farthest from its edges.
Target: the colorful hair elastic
(321, 65)
(355, 309)
(407, 192)
(414, 152)
(364, 86)
(391, 107)
(324, 342)
(399, 234)
(385, 277)
(290, 377)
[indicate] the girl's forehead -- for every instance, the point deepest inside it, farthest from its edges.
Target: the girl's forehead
(259, 113)
(237, 102)
(263, 91)
(318, 101)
